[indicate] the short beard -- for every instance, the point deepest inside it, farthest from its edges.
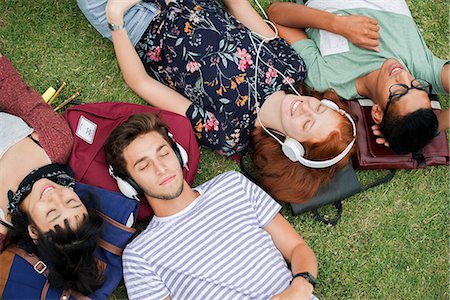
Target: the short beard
(168, 196)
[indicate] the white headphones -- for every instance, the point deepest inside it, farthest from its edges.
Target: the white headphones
(295, 151)
(129, 188)
(292, 148)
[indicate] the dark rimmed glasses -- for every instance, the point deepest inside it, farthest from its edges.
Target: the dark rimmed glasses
(396, 91)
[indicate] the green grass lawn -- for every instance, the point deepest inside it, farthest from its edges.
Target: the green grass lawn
(392, 241)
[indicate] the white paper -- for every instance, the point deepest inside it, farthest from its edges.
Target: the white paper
(331, 43)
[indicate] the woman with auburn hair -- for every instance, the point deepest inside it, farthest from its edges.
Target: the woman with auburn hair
(293, 182)
(199, 60)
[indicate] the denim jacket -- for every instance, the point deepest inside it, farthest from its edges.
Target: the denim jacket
(136, 19)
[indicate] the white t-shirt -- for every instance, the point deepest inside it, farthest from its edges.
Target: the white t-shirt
(216, 248)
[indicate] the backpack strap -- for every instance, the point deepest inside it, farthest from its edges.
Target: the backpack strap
(115, 223)
(45, 290)
(41, 268)
(38, 265)
(110, 247)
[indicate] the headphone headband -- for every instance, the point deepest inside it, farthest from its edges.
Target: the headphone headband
(295, 151)
(130, 188)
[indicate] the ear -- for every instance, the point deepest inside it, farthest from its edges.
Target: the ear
(377, 114)
(32, 232)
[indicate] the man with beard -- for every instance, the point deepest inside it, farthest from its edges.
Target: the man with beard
(221, 240)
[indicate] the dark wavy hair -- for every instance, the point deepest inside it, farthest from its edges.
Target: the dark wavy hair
(409, 133)
(68, 253)
(291, 181)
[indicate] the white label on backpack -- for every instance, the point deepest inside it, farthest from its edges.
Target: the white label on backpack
(86, 129)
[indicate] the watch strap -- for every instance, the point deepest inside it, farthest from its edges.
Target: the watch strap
(307, 276)
(114, 27)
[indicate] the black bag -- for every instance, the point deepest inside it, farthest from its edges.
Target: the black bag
(343, 185)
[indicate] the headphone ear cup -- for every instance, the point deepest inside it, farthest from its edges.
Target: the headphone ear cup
(126, 186)
(184, 158)
(330, 104)
(180, 152)
(293, 149)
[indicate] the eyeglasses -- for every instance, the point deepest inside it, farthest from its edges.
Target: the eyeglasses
(398, 90)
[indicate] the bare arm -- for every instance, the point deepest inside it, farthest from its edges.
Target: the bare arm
(445, 77)
(295, 250)
(133, 70)
(444, 120)
(362, 31)
(246, 14)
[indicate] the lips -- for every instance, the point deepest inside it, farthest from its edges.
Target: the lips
(46, 189)
(294, 106)
(395, 68)
(167, 180)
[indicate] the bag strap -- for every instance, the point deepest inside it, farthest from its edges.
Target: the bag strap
(326, 220)
(115, 223)
(384, 179)
(41, 268)
(108, 246)
(338, 205)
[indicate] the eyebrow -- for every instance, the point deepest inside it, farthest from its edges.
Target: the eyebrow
(146, 157)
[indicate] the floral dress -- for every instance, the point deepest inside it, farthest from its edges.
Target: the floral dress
(198, 49)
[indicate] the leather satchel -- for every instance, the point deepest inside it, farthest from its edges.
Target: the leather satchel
(344, 184)
(370, 155)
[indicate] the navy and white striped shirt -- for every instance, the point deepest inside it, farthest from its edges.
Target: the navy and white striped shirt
(215, 248)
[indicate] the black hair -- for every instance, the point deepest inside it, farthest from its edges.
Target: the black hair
(68, 253)
(409, 133)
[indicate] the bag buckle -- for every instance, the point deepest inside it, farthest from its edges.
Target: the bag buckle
(40, 267)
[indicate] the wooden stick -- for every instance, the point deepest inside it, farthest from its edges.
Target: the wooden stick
(67, 101)
(57, 93)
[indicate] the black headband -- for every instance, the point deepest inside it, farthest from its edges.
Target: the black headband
(60, 174)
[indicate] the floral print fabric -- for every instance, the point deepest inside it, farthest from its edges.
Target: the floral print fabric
(198, 49)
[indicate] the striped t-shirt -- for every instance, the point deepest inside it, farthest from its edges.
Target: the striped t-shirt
(215, 248)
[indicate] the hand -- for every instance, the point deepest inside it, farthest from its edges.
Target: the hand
(362, 31)
(300, 289)
(380, 138)
(1, 55)
(115, 9)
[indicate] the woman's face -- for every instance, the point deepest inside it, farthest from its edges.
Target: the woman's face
(49, 204)
(306, 119)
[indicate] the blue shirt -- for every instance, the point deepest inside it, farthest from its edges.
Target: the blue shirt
(136, 19)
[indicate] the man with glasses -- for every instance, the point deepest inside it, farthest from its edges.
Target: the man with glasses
(368, 48)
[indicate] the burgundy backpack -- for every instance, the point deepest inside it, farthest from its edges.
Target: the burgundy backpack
(92, 123)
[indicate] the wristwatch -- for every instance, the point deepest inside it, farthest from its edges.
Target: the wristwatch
(308, 277)
(114, 27)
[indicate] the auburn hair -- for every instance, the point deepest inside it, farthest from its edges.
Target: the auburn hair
(291, 181)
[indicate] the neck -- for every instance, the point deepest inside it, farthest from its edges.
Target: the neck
(166, 208)
(365, 85)
(269, 113)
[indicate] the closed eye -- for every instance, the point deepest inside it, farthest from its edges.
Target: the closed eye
(50, 212)
(307, 125)
(143, 167)
(321, 108)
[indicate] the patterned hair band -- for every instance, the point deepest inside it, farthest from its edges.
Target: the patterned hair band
(58, 173)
